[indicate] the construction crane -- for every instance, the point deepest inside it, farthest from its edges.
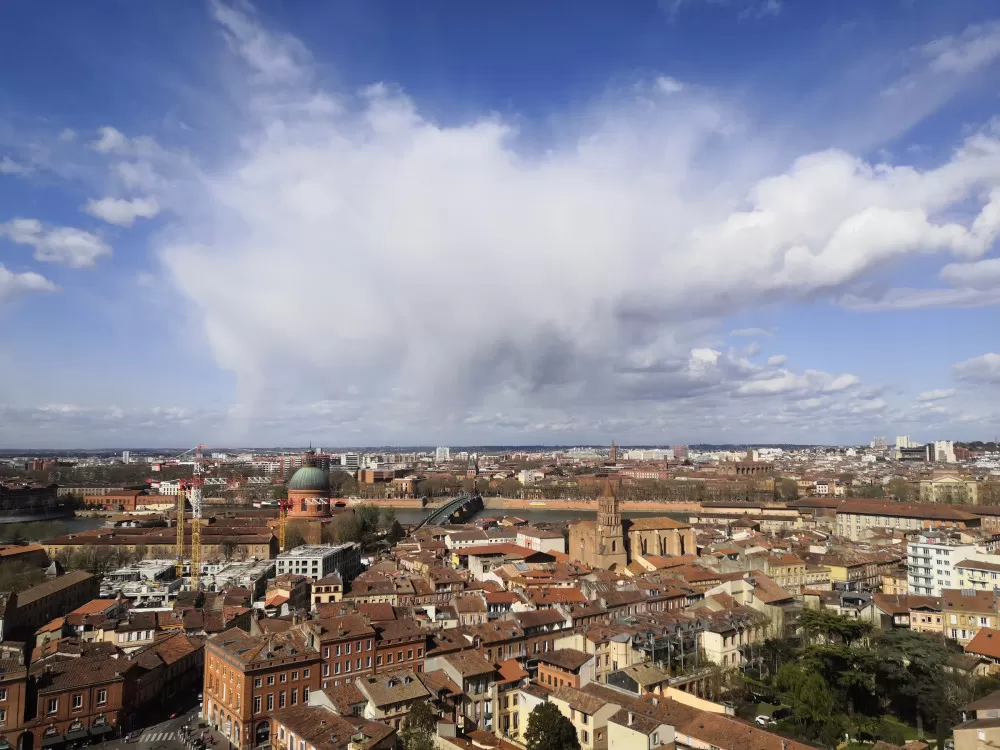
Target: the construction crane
(195, 496)
(197, 483)
(179, 523)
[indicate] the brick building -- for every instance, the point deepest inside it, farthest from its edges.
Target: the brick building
(83, 698)
(248, 677)
(13, 698)
(26, 611)
(347, 645)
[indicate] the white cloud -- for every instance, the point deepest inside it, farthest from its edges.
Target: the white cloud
(982, 369)
(67, 135)
(668, 85)
(752, 332)
(75, 248)
(123, 212)
(842, 382)
(9, 166)
(936, 395)
(16, 284)
(972, 50)
(112, 141)
(636, 231)
(276, 57)
(776, 360)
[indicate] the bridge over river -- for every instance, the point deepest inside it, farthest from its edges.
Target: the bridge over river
(462, 505)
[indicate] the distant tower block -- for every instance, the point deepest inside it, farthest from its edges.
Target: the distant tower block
(613, 453)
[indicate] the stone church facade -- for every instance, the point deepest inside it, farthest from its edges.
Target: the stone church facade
(609, 543)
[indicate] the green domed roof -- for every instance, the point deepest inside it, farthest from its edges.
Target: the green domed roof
(310, 478)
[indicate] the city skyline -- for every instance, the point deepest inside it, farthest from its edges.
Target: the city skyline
(742, 222)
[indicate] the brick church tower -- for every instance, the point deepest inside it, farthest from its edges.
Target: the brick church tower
(611, 548)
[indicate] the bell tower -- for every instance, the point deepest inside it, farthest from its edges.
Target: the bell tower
(610, 537)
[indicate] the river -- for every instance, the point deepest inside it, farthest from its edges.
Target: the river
(38, 530)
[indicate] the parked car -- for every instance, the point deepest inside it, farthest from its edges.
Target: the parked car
(133, 736)
(762, 720)
(782, 713)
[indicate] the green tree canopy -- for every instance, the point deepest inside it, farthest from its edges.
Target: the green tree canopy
(548, 729)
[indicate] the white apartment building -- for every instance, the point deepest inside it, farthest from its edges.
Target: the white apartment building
(933, 565)
(944, 452)
(320, 560)
(442, 455)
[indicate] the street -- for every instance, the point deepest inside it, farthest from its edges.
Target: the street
(165, 735)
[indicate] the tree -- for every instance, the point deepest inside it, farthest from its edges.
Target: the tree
(510, 488)
(395, 533)
(900, 489)
(813, 700)
(293, 537)
(548, 729)
(388, 518)
(229, 547)
(421, 723)
(348, 528)
(368, 516)
(788, 489)
(17, 576)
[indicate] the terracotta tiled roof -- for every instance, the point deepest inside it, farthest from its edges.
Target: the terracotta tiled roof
(567, 658)
(985, 643)
(393, 687)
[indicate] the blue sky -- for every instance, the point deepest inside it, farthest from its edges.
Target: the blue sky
(366, 222)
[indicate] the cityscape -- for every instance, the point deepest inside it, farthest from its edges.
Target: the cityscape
(522, 375)
(247, 597)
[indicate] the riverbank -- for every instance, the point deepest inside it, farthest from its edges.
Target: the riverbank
(510, 503)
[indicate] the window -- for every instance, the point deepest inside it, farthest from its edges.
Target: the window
(378, 660)
(257, 683)
(284, 677)
(326, 652)
(305, 695)
(358, 646)
(399, 656)
(295, 674)
(270, 679)
(77, 701)
(270, 701)
(3, 694)
(368, 662)
(53, 705)
(388, 657)
(295, 696)
(409, 653)
(281, 699)
(256, 705)
(102, 697)
(336, 668)
(3, 717)
(338, 649)
(305, 674)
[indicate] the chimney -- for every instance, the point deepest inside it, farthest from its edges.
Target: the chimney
(630, 716)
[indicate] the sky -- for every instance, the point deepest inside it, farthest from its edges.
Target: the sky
(380, 223)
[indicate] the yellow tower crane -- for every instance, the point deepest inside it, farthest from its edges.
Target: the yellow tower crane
(196, 496)
(179, 523)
